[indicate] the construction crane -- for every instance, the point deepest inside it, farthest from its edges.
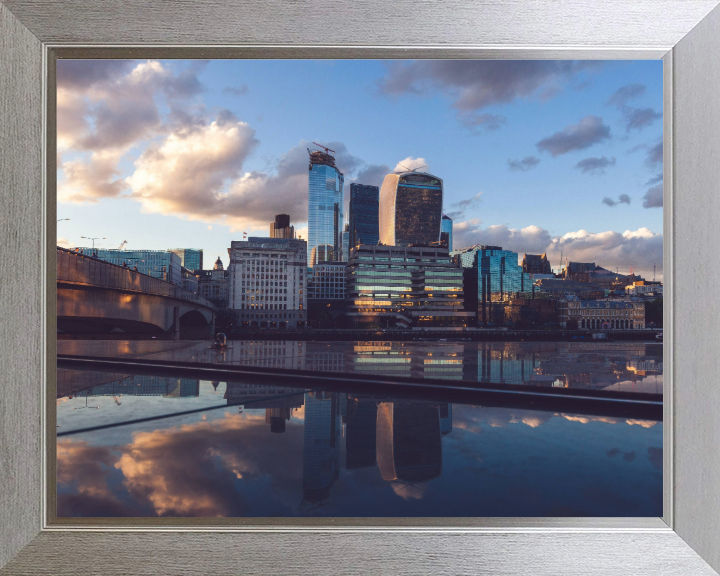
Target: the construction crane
(122, 245)
(324, 148)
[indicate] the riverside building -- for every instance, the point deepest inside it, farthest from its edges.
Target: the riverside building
(410, 209)
(162, 264)
(404, 286)
(267, 282)
(601, 314)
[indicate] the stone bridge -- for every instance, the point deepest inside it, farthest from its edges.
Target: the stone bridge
(94, 296)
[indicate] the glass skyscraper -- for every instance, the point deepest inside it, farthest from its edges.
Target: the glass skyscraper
(190, 258)
(446, 230)
(498, 272)
(364, 208)
(325, 208)
(410, 209)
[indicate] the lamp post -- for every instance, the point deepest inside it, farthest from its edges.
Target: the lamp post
(93, 240)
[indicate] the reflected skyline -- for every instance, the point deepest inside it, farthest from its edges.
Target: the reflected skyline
(274, 451)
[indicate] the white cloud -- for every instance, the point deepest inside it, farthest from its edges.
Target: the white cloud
(633, 248)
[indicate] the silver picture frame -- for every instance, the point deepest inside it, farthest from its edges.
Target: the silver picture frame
(684, 33)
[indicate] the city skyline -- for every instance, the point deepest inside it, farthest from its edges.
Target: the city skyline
(193, 154)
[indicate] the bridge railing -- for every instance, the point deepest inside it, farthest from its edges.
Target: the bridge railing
(74, 268)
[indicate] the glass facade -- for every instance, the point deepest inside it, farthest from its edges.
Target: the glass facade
(410, 209)
(345, 243)
(498, 273)
(390, 286)
(446, 229)
(325, 207)
(161, 264)
(364, 209)
(190, 258)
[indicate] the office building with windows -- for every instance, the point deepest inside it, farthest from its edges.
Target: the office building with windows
(363, 214)
(491, 274)
(536, 264)
(325, 208)
(446, 232)
(267, 282)
(281, 227)
(345, 243)
(161, 264)
(190, 258)
(410, 209)
(390, 286)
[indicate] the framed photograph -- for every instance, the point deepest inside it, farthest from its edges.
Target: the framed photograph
(283, 288)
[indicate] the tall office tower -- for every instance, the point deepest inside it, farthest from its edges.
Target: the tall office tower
(345, 243)
(363, 214)
(446, 231)
(410, 209)
(190, 258)
(281, 227)
(325, 207)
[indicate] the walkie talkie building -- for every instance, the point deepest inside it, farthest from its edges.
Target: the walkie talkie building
(325, 208)
(410, 209)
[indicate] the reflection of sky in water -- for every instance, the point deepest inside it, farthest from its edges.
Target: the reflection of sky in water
(622, 366)
(227, 462)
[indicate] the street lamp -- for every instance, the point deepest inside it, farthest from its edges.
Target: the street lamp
(93, 240)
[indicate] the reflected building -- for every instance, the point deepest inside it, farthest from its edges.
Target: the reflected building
(276, 417)
(256, 395)
(147, 386)
(321, 451)
(325, 208)
(360, 432)
(410, 209)
(408, 441)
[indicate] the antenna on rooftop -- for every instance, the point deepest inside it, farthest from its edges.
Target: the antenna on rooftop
(413, 169)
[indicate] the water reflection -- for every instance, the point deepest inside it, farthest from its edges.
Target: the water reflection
(623, 366)
(268, 450)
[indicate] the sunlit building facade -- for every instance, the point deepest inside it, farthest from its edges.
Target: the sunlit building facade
(267, 282)
(325, 208)
(389, 286)
(363, 214)
(410, 209)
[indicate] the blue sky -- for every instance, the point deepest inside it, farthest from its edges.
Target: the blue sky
(536, 156)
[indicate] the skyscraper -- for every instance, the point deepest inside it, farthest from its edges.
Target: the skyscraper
(345, 243)
(325, 207)
(410, 209)
(363, 217)
(281, 227)
(190, 258)
(446, 231)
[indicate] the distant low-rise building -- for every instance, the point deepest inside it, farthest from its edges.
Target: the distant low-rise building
(189, 280)
(557, 287)
(267, 282)
(626, 314)
(213, 284)
(161, 264)
(531, 311)
(404, 286)
(645, 288)
(536, 264)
